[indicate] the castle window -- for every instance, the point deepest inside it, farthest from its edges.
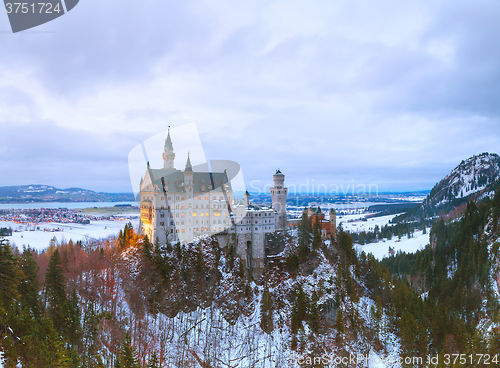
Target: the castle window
(162, 223)
(194, 214)
(206, 197)
(199, 198)
(171, 230)
(182, 198)
(182, 214)
(183, 231)
(162, 207)
(221, 197)
(182, 207)
(202, 214)
(214, 197)
(162, 198)
(162, 215)
(255, 229)
(206, 214)
(169, 198)
(219, 228)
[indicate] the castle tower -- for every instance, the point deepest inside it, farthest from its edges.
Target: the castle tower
(246, 199)
(168, 153)
(333, 223)
(278, 194)
(188, 173)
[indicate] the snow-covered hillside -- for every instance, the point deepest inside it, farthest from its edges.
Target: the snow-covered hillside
(475, 178)
(471, 176)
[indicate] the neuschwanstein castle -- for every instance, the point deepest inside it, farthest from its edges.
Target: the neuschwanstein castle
(182, 205)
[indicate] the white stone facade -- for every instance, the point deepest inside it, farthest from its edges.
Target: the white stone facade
(181, 205)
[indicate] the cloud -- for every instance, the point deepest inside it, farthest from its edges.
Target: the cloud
(390, 93)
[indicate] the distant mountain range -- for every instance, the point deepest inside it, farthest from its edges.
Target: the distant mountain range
(47, 193)
(475, 178)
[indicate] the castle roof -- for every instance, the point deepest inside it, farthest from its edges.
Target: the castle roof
(189, 167)
(203, 182)
(168, 141)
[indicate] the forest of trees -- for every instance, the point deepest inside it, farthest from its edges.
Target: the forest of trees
(398, 229)
(128, 302)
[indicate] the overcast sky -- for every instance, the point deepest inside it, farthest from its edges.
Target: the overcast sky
(388, 93)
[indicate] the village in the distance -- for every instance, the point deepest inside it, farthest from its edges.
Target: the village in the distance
(35, 224)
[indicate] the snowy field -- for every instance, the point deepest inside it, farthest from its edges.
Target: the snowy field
(40, 239)
(381, 249)
(358, 225)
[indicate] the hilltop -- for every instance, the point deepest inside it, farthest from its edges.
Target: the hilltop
(48, 193)
(474, 178)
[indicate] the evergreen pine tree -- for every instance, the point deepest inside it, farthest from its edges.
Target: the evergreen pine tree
(153, 362)
(304, 237)
(266, 311)
(91, 321)
(128, 355)
(147, 248)
(55, 289)
(339, 322)
(316, 241)
(9, 277)
(74, 327)
(28, 289)
(314, 313)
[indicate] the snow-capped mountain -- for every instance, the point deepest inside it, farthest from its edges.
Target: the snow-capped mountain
(471, 176)
(48, 193)
(475, 178)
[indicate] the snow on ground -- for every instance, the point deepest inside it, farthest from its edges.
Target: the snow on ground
(357, 225)
(40, 239)
(381, 249)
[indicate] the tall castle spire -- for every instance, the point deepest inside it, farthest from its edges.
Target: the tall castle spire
(189, 167)
(168, 152)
